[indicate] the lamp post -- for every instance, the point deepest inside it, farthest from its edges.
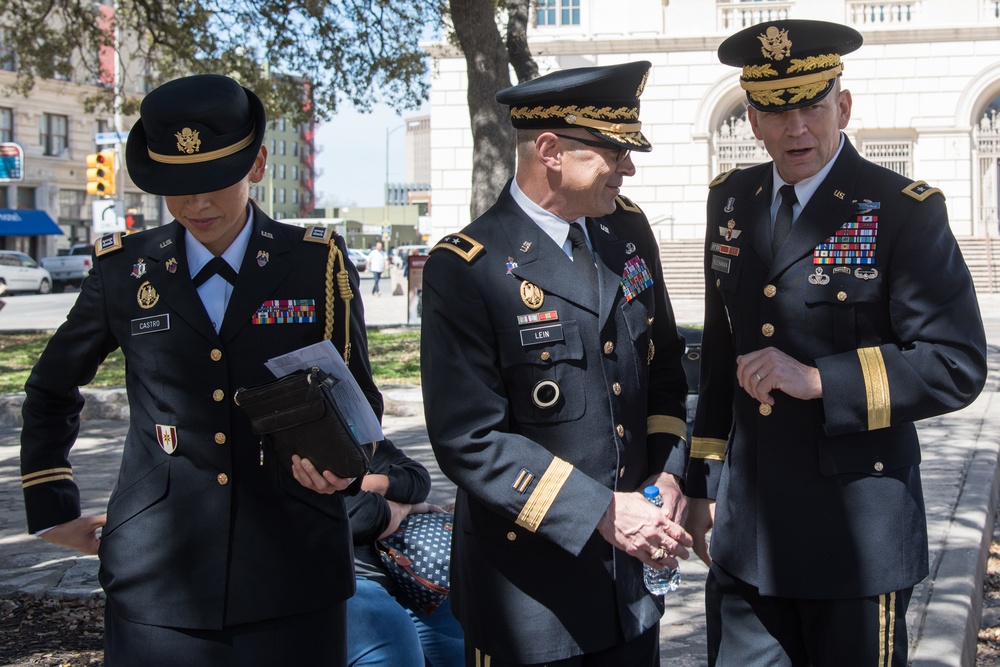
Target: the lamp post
(388, 132)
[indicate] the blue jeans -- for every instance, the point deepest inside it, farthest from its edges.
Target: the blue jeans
(382, 632)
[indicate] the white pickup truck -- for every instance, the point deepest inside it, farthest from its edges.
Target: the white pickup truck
(69, 270)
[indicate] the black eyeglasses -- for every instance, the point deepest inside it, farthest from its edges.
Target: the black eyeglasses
(620, 156)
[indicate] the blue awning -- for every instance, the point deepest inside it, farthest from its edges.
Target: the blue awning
(26, 222)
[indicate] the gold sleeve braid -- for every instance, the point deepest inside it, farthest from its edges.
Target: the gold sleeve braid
(346, 294)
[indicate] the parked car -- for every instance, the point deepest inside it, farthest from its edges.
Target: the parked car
(69, 270)
(359, 258)
(20, 273)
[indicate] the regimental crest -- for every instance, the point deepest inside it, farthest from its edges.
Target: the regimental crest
(775, 44)
(139, 269)
(167, 437)
(188, 141)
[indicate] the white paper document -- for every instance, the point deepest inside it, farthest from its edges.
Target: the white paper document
(354, 406)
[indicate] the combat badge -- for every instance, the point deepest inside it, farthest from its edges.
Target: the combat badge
(167, 437)
(147, 295)
(532, 295)
(818, 277)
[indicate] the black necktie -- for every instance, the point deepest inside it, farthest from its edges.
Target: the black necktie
(216, 265)
(783, 219)
(582, 256)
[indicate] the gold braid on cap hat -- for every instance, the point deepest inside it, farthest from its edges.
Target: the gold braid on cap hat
(584, 116)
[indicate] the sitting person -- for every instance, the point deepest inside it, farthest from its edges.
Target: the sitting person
(381, 629)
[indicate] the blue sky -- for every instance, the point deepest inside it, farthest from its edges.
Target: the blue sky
(351, 151)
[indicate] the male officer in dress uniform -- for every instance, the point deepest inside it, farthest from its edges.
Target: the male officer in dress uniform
(210, 552)
(554, 391)
(822, 346)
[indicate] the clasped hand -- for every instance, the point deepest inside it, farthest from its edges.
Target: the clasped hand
(762, 371)
(654, 535)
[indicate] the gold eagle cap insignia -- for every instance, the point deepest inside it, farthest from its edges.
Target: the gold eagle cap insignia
(188, 141)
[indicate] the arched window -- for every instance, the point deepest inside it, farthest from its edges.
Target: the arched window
(735, 145)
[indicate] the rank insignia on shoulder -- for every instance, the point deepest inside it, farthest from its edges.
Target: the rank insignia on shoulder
(319, 234)
(920, 191)
(465, 247)
(721, 178)
(108, 243)
(627, 204)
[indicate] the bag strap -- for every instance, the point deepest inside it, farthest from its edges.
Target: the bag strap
(343, 284)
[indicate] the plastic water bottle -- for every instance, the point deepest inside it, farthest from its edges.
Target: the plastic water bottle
(659, 582)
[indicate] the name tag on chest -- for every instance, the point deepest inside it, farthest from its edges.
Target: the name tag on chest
(536, 335)
(151, 324)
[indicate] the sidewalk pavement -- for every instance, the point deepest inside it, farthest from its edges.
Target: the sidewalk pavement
(961, 480)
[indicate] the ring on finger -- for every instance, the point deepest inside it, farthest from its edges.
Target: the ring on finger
(757, 377)
(660, 553)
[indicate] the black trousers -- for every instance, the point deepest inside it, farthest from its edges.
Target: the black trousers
(746, 628)
(317, 639)
(643, 651)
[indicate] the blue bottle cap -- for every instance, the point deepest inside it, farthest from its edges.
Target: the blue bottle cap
(650, 492)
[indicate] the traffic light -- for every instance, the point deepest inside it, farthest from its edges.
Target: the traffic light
(134, 221)
(101, 173)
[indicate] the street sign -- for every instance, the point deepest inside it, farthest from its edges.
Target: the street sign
(109, 216)
(103, 138)
(11, 163)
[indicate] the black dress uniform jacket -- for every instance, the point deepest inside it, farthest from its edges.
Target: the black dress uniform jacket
(532, 580)
(214, 533)
(822, 498)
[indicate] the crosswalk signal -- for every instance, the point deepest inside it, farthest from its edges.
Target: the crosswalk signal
(134, 221)
(101, 173)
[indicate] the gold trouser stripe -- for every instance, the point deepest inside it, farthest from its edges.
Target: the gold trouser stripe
(203, 157)
(44, 476)
(708, 448)
(482, 659)
(780, 84)
(887, 628)
(876, 387)
(544, 495)
(667, 424)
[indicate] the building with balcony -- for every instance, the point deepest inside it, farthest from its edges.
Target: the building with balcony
(926, 87)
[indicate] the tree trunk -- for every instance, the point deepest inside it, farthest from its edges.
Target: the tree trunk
(517, 40)
(488, 70)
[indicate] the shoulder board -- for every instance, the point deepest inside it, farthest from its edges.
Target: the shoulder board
(920, 191)
(627, 204)
(460, 244)
(722, 177)
(319, 234)
(108, 244)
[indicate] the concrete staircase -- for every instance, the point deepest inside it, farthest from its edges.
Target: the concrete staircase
(684, 271)
(983, 257)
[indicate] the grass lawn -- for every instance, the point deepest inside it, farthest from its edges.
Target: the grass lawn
(395, 359)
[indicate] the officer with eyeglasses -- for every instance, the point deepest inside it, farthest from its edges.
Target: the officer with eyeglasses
(554, 391)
